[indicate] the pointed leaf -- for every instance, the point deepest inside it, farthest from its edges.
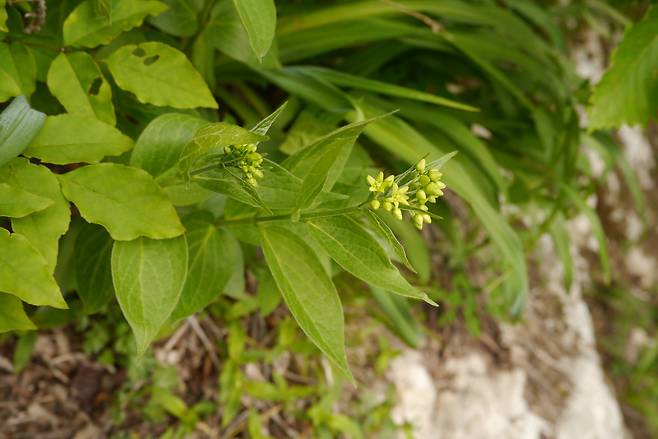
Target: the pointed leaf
(264, 125)
(628, 92)
(12, 315)
(387, 235)
(307, 290)
(259, 20)
(45, 227)
(25, 274)
(148, 277)
(361, 255)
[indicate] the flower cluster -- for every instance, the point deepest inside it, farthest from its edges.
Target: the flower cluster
(246, 159)
(411, 191)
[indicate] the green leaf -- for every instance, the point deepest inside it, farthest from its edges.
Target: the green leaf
(17, 203)
(308, 292)
(264, 125)
(387, 235)
(148, 277)
(160, 75)
(398, 317)
(3, 16)
(259, 20)
(227, 34)
(179, 20)
(78, 83)
(628, 92)
(213, 255)
(352, 81)
(212, 138)
(93, 248)
(18, 71)
(321, 163)
(19, 124)
(12, 314)
(84, 27)
(25, 273)
(68, 138)
(124, 200)
(354, 249)
(43, 228)
(597, 229)
(160, 146)
(560, 236)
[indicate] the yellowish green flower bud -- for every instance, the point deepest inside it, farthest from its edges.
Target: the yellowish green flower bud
(388, 206)
(421, 196)
(427, 218)
(420, 166)
(375, 204)
(424, 180)
(433, 189)
(397, 213)
(435, 174)
(418, 221)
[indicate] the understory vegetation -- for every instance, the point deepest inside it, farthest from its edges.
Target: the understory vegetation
(298, 184)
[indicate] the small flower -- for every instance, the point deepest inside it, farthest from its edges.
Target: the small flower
(410, 191)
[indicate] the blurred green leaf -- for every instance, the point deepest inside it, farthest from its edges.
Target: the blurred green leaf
(85, 27)
(628, 91)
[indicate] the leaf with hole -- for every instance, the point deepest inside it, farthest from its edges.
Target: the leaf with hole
(160, 75)
(79, 85)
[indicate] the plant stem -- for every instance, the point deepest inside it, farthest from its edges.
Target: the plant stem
(288, 216)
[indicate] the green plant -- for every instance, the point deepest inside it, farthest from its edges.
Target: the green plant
(162, 123)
